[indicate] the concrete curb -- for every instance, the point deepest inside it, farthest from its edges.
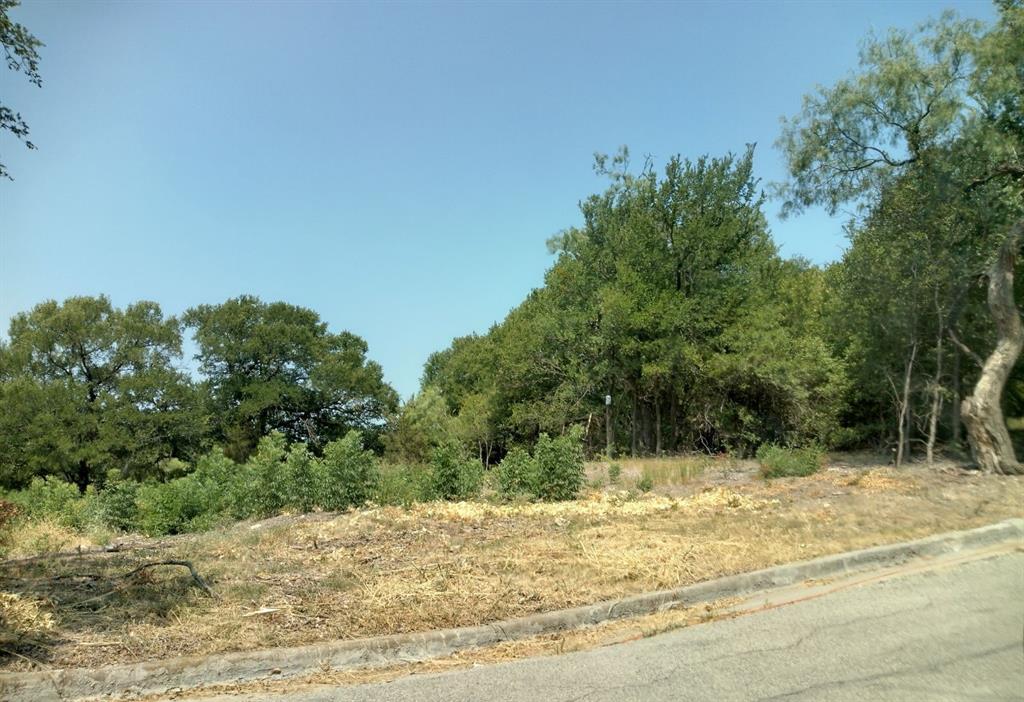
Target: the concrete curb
(191, 671)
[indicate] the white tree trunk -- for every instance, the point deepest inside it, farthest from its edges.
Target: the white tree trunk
(982, 411)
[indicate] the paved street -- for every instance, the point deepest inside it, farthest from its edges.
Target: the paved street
(950, 634)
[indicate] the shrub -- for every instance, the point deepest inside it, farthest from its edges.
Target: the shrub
(559, 465)
(455, 475)
(175, 507)
(302, 479)
(645, 483)
(403, 484)
(50, 498)
(350, 473)
(517, 474)
(260, 489)
(115, 503)
(778, 462)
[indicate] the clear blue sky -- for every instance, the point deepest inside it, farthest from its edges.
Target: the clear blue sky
(396, 167)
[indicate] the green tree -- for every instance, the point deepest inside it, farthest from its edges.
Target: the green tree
(86, 387)
(423, 423)
(21, 50)
(941, 107)
(276, 367)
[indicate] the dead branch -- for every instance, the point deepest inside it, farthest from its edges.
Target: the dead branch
(196, 578)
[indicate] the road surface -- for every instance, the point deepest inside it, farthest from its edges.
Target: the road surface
(951, 633)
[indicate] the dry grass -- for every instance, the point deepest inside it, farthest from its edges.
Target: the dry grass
(44, 536)
(664, 471)
(384, 570)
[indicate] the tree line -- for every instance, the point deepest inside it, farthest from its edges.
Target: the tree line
(86, 388)
(672, 303)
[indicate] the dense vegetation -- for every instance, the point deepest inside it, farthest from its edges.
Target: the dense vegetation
(668, 322)
(672, 300)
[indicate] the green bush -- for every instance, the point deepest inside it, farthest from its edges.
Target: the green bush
(192, 503)
(517, 474)
(403, 484)
(50, 498)
(559, 465)
(260, 490)
(456, 476)
(115, 503)
(302, 479)
(645, 483)
(780, 462)
(161, 507)
(350, 474)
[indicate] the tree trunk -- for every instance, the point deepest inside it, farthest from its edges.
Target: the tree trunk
(903, 429)
(657, 426)
(673, 420)
(633, 426)
(955, 409)
(933, 419)
(982, 411)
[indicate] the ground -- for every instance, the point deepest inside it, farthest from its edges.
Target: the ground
(382, 570)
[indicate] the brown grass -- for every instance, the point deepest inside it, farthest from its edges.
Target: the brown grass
(384, 570)
(665, 471)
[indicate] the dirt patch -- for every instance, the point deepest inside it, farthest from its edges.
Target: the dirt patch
(389, 570)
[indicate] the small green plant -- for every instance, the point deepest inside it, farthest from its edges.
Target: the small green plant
(645, 483)
(50, 498)
(559, 465)
(456, 476)
(115, 503)
(302, 479)
(260, 490)
(614, 473)
(517, 474)
(780, 462)
(403, 484)
(350, 473)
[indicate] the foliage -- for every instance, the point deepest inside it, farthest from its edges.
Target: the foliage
(404, 484)
(21, 49)
(672, 299)
(276, 367)
(116, 502)
(779, 462)
(559, 470)
(517, 474)
(422, 424)
(455, 475)
(86, 386)
(926, 137)
(351, 475)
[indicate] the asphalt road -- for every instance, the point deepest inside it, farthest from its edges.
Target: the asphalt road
(955, 633)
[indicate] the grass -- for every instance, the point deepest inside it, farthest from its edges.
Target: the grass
(298, 580)
(661, 472)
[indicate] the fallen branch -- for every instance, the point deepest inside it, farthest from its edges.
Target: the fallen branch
(196, 578)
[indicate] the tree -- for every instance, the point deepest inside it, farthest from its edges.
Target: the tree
(86, 387)
(670, 298)
(276, 367)
(22, 55)
(423, 423)
(940, 107)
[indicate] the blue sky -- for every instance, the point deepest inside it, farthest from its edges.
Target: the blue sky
(396, 167)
